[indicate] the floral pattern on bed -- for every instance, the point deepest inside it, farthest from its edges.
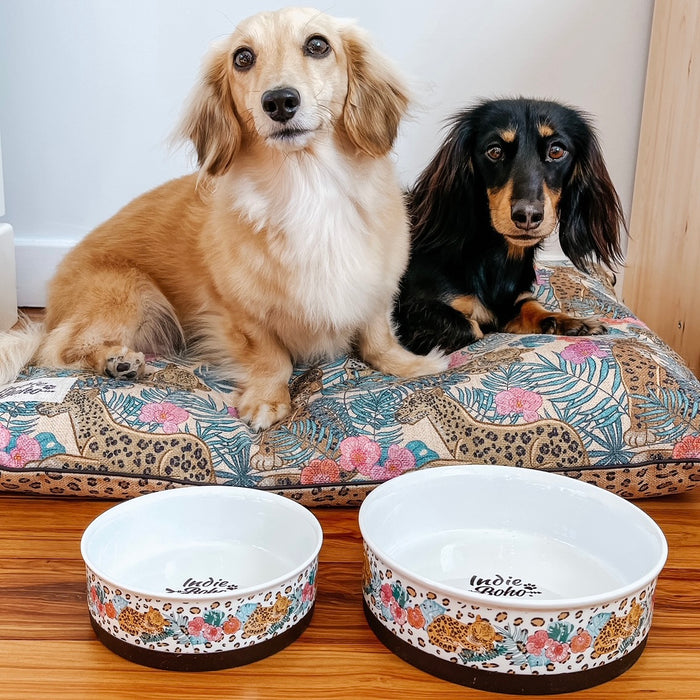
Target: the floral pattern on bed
(620, 410)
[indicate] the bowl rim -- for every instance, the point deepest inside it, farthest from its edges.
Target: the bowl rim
(522, 474)
(235, 492)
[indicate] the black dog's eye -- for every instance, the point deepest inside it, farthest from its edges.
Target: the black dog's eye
(317, 46)
(494, 152)
(556, 152)
(243, 59)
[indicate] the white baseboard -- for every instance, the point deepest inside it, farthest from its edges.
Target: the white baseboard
(36, 261)
(8, 296)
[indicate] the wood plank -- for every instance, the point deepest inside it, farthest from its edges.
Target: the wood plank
(49, 652)
(663, 258)
(74, 670)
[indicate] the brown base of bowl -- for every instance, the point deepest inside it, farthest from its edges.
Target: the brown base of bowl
(202, 661)
(497, 682)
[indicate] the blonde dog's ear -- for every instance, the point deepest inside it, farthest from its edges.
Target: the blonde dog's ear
(210, 120)
(376, 100)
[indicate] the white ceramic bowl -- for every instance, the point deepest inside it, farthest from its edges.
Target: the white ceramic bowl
(509, 579)
(203, 577)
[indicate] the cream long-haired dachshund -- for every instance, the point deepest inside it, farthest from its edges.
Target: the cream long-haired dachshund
(287, 245)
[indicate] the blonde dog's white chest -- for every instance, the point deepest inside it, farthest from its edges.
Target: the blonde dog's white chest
(318, 244)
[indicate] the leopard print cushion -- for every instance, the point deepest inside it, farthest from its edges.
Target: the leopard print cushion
(619, 410)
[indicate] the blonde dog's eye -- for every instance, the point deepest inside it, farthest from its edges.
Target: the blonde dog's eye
(243, 59)
(317, 47)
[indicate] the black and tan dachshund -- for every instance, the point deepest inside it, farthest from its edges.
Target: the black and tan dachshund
(508, 172)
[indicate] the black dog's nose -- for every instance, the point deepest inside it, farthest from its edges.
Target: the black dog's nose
(527, 215)
(281, 104)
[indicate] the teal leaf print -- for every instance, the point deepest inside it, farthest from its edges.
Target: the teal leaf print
(431, 610)
(669, 413)
(49, 444)
(561, 631)
(400, 594)
(119, 603)
(514, 641)
(421, 452)
(597, 623)
(159, 637)
(331, 412)
(373, 413)
(100, 593)
(215, 618)
(245, 611)
(472, 657)
(540, 660)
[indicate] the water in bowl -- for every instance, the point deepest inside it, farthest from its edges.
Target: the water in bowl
(507, 564)
(204, 569)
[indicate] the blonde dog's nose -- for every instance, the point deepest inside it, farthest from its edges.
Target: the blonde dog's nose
(281, 104)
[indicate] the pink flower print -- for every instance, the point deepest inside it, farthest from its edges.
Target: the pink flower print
(233, 412)
(26, 450)
(196, 626)
(320, 471)
(307, 592)
(536, 642)
(457, 359)
(387, 594)
(211, 633)
(626, 321)
(687, 448)
(519, 401)
(167, 414)
(359, 454)
(5, 437)
(577, 353)
(557, 651)
(397, 612)
(93, 595)
(378, 473)
(399, 460)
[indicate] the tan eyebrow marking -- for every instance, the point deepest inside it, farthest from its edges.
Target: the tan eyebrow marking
(508, 135)
(545, 130)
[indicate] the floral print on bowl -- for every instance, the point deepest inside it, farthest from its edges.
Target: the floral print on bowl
(506, 640)
(185, 625)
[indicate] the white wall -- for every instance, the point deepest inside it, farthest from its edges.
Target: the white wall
(91, 89)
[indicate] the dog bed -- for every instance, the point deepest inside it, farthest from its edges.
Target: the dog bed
(619, 410)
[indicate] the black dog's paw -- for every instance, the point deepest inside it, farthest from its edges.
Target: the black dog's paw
(426, 325)
(568, 325)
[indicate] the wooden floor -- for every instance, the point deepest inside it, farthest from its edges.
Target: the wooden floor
(48, 650)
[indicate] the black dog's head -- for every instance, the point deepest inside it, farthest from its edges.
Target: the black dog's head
(535, 164)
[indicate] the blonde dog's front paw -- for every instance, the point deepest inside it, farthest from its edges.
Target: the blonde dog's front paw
(125, 364)
(261, 413)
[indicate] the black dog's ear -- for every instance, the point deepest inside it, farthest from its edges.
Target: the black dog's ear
(442, 199)
(590, 213)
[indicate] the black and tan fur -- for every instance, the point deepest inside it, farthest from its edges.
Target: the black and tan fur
(507, 174)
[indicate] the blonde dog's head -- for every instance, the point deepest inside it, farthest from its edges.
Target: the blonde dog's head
(285, 79)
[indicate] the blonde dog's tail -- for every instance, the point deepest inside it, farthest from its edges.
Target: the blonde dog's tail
(17, 347)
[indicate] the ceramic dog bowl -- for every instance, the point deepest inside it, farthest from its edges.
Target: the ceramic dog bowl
(509, 579)
(201, 578)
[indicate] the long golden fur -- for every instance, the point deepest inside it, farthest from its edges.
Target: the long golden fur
(287, 245)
